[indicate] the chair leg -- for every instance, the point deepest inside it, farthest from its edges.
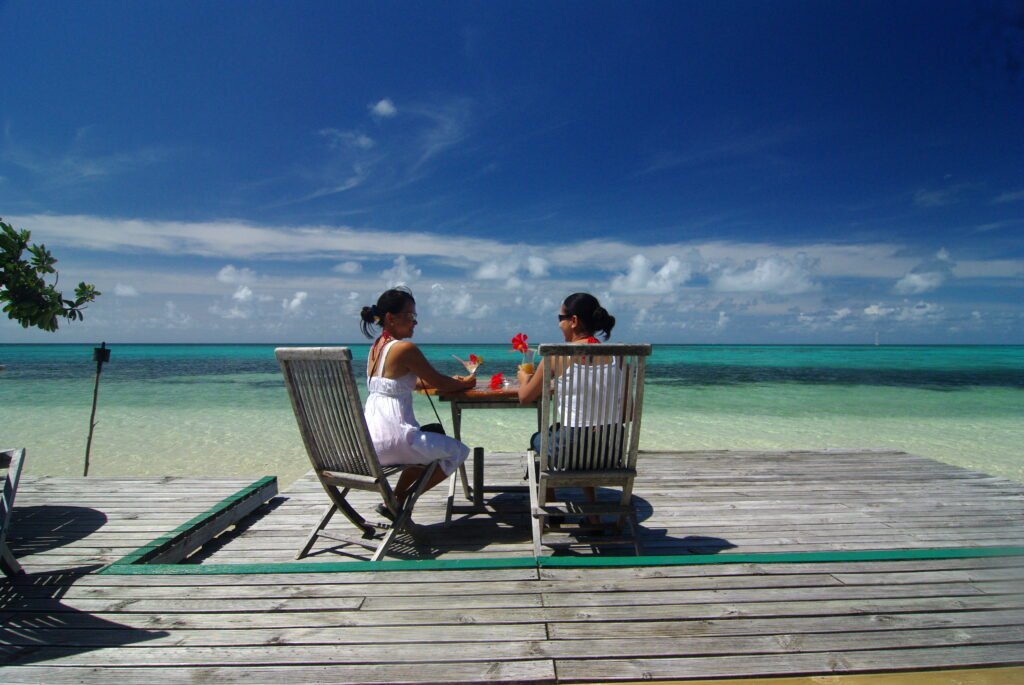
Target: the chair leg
(382, 548)
(635, 530)
(450, 500)
(464, 478)
(351, 514)
(537, 515)
(315, 533)
(10, 565)
(405, 515)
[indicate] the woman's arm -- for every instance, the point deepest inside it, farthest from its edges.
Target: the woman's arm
(407, 357)
(530, 385)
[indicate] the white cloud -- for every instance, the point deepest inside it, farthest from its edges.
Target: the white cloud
(383, 109)
(642, 279)
(497, 269)
(232, 313)
(348, 268)
(537, 266)
(932, 198)
(356, 139)
(840, 314)
(455, 302)
(229, 274)
(774, 274)
(918, 313)
(449, 125)
(122, 290)
(509, 267)
(926, 276)
(917, 283)
(878, 311)
(232, 240)
(174, 317)
(402, 273)
(1014, 196)
(243, 294)
(723, 320)
(294, 305)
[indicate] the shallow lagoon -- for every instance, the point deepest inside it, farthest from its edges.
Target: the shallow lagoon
(222, 409)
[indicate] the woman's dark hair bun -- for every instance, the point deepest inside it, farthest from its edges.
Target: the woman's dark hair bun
(591, 314)
(603, 321)
(390, 302)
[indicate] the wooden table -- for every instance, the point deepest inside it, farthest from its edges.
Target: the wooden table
(480, 397)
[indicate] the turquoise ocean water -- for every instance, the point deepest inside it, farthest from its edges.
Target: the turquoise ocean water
(222, 409)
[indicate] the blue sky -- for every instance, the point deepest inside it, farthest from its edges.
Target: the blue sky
(728, 172)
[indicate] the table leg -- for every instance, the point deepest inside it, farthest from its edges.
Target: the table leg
(478, 477)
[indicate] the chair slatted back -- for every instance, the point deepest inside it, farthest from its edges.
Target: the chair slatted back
(596, 395)
(324, 395)
(11, 462)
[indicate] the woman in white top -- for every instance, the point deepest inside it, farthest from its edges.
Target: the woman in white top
(394, 369)
(579, 318)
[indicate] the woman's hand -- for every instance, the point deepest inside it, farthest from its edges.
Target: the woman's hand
(529, 385)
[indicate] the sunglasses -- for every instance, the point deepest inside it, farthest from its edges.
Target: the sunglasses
(564, 317)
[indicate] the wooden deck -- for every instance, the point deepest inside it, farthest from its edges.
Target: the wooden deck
(703, 503)
(815, 611)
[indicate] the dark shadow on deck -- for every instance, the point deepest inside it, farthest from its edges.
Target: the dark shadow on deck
(41, 528)
(35, 626)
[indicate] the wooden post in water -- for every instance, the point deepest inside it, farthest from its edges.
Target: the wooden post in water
(100, 355)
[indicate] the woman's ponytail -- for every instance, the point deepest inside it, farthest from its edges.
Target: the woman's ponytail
(592, 315)
(391, 302)
(603, 322)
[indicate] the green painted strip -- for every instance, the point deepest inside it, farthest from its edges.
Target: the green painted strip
(566, 562)
(135, 555)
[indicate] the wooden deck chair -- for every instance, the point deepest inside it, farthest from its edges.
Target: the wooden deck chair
(326, 402)
(12, 461)
(590, 432)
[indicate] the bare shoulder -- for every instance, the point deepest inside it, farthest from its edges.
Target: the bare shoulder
(404, 349)
(402, 346)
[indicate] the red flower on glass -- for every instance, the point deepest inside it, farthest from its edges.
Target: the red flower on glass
(473, 359)
(497, 381)
(519, 343)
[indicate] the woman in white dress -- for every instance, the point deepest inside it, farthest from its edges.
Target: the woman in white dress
(394, 369)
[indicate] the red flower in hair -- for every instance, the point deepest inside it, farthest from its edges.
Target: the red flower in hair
(519, 343)
(497, 381)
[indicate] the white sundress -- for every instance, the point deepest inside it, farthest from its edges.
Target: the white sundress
(393, 427)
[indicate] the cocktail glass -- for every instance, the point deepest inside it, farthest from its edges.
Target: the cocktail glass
(529, 358)
(471, 364)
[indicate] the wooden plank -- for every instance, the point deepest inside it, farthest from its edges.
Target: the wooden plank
(535, 671)
(323, 654)
(824, 663)
(33, 636)
(747, 625)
